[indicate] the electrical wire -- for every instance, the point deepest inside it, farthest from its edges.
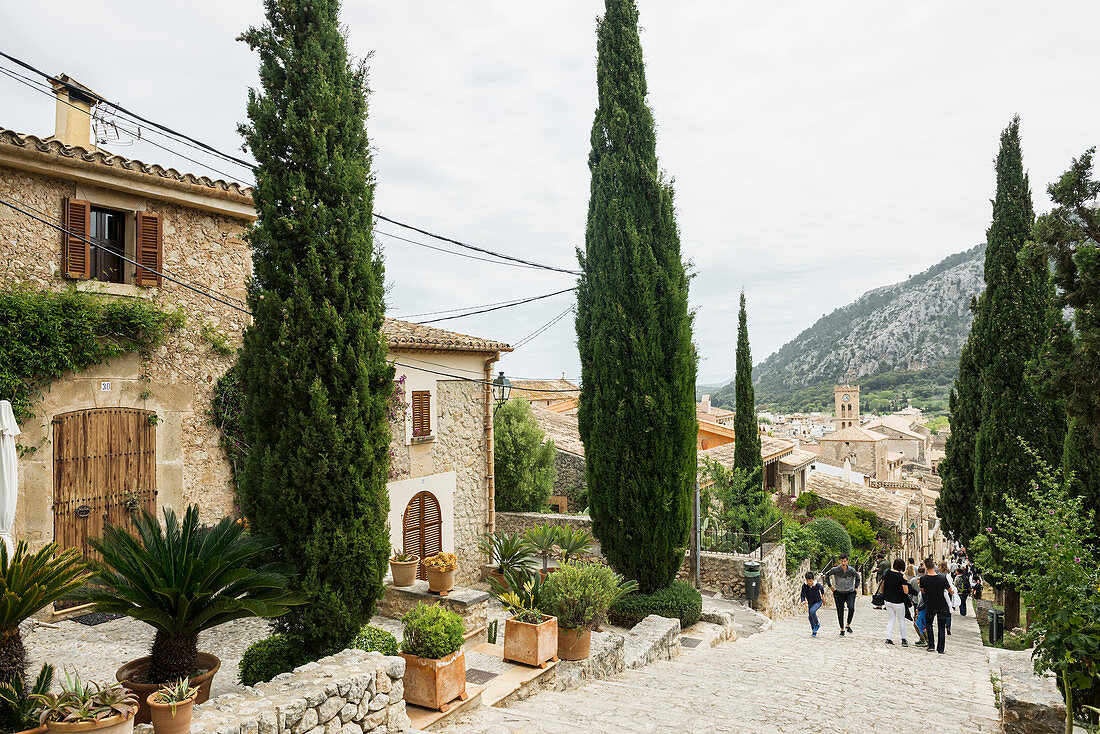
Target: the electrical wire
(452, 252)
(542, 329)
(497, 308)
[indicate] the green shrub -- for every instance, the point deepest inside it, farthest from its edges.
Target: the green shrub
(431, 631)
(845, 514)
(808, 501)
(579, 594)
(831, 536)
(861, 533)
(680, 600)
(801, 543)
(523, 459)
(267, 658)
(375, 639)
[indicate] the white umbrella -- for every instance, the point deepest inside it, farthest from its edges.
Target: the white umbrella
(9, 475)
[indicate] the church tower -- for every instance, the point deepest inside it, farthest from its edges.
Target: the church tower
(846, 398)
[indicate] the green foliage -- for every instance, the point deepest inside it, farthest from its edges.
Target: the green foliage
(634, 328)
(679, 600)
(44, 334)
(28, 582)
(861, 533)
(1081, 464)
(937, 423)
(735, 499)
(184, 578)
(845, 514)
(264, 659)
(543, 539)
(375, 639)
(19, 706)
(574, 543)
(82, 702)
(800, 542)
(506, 550)
(521, 593)
(808, 501)
(316, 385)
(831, 536)
(746, 449)
(431, 631)
(958, 505)
(579, 594)
(218, 341)
(523, 459)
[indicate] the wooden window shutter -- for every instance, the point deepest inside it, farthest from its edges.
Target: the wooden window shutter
(421, 413)
(76, 249)
(149, 249)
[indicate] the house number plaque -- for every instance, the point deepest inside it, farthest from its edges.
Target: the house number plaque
(83, 511)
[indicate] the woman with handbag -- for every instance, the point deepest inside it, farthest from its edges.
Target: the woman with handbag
(894, 591)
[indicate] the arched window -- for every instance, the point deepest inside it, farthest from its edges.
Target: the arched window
(422, 528)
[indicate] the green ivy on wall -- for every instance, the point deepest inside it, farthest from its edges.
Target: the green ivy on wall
(43, 334)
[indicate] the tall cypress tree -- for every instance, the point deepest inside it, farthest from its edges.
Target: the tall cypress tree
(746, 449)
(637, 406)
(958, 505)
(1017, 291)
(313, 366)
(1081, 457)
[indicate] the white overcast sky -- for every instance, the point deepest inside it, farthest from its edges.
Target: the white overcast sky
(819, 149)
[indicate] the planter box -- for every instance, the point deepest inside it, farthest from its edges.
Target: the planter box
(531, 644)
(434, 684)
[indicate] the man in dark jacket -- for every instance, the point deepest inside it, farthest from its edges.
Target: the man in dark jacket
(932, 588)
(844, 581)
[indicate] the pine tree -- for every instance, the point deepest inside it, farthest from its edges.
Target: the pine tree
(637, 406)
(746, 449)
(313, 369)
(958, 505)
(1013, 412)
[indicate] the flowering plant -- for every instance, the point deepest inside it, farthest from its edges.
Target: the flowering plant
(441, 562)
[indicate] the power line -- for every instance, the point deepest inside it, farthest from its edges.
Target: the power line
(542, 329)
(460, 377)
(449, 310)
(452, 252)
(497, 308)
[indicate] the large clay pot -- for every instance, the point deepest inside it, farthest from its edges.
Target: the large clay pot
(574, 644)
(439, 581)
(531, 644)
(497, 574)
(167, 721)
(432, 683)
(36, 730)
(132, 672)
(404, 572)
(117, 724)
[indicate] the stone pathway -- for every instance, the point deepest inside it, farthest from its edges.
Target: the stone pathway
(780, 680)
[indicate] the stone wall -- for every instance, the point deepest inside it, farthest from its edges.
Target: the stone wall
(352, 692)
(517, 522)
(1030, 704)
(569, 480)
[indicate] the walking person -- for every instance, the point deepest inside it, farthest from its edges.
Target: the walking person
(918, 601)
(933, 589)
(962, 583)
(895, 591)
(952, 594)
(813, 596)
(844, 580)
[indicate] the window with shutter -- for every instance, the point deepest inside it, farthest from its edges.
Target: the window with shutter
(422, 528)
(76, 250)
(421, 413)
(149, 249)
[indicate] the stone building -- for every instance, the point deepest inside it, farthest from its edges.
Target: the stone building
(705, 411)
(846, 398)
(562, 429)
(558, 395)
(867, 451)
(903, 437)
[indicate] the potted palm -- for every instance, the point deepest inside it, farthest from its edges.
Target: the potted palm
(171, 707)
(80, 708)
(435, 664)
(543, 539)
(579, 595)
(28, 582)
(403, 567)
(182, 579)
(440, 570)
(574, 543)
(505, 551)
(23, 707)
(530, 636)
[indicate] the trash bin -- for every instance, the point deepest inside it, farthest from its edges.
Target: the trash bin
(996, 625)
(752, 580)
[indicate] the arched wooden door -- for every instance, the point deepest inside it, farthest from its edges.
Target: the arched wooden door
(104, 468)
(422, 528)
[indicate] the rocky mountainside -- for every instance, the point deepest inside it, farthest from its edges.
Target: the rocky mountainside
(912, 331)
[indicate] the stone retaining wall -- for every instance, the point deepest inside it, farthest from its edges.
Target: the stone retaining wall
(1030, 704)
(352, 692)
(517, 522)
(469, 604)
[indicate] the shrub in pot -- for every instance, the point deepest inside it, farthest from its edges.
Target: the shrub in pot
(435, 664)
(575, 543)
(403, 568)
(182, 579)
(171, 707)
(81, 707)
(506, 551)
(530, 636)
(22, 707)
(440, 570)
(543, 540)
(579, 595)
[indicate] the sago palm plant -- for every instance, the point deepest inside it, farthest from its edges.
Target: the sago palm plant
(182, 579)
(28, 582)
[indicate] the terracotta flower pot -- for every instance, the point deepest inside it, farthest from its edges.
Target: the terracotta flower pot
(36, 730)
(432, 683)
(574, 644)
(531, 644)
(497, 574)
(132, 677)
(117, 724)
(167, 721)
(404, 572)
(439, 581)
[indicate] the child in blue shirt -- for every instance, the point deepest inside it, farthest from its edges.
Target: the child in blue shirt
(812, 596)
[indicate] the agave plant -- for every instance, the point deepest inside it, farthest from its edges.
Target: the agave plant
(520, 593)
(506, 551)
(543, 539)
(78, 701)
(22, 707)
(575, 542)
(176, 693)
(183, 579)
(28, 582)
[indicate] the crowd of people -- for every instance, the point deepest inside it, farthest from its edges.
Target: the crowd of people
(925, 594)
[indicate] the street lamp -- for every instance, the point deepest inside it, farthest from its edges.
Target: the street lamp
(502, 389)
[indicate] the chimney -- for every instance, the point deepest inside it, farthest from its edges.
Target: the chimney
(73, 121)
(705, 403)
(847, 472)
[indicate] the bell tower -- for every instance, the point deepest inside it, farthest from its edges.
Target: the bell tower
(846, 398)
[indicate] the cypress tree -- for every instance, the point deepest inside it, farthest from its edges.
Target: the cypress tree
(1017, 289)
(958, 505)
(637, 406)
(313, 369)
(1081, 458)
(746, 449)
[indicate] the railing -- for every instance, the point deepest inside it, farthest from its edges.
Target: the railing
(742, 544)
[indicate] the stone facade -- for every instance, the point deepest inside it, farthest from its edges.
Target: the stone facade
(517, 522)
(570, 479)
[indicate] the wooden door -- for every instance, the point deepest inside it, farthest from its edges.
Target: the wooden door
(422, 528)
(104, 468)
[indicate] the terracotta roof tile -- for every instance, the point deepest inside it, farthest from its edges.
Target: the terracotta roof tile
(407, 335)
(562, 429)
(890, 508)
(544, 389)
(853, 433)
